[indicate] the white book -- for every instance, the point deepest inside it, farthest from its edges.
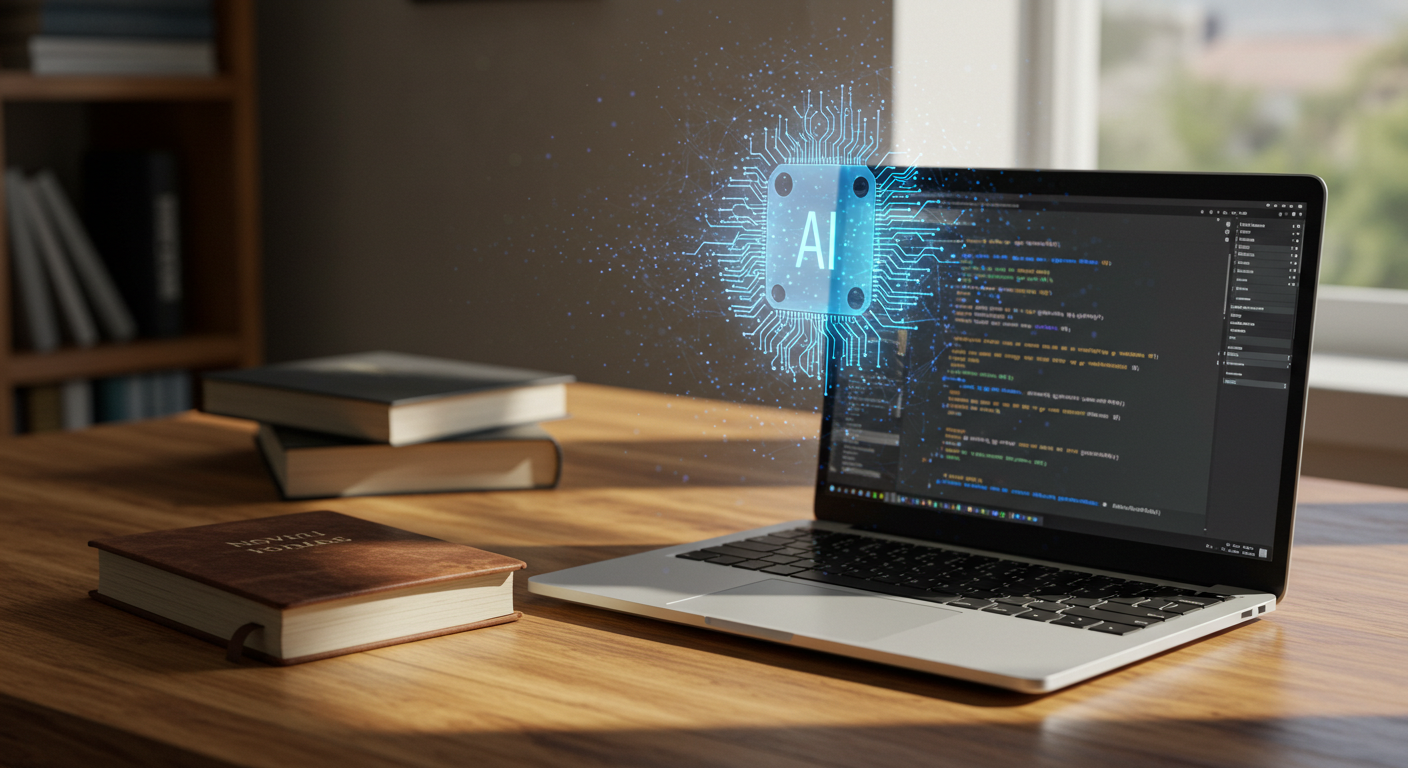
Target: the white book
(111, 310)
(40, 322)
(56, 55)
(77, 404)
(77, 319)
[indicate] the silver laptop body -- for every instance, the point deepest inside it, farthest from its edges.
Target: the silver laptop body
(997, 499)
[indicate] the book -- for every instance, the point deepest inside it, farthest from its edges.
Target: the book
(98, 285)
(77, 319)
(133, 214)
(388, 397)
(56, 55)
(124, 398)
(313, 584)
(110, 401)
(77, 397)
(44, 408)
(310, 465)
(39, 323)
(86, 18)
(172, 392)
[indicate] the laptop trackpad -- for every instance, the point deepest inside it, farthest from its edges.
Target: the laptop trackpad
(813, 611)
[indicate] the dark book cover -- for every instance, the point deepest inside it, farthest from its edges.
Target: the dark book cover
(132, 210)
(390, 378)
(305, 558)
(292, 439)
(147, 20)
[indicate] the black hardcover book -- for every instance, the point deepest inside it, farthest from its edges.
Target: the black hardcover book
(132, 209)
(388, 397)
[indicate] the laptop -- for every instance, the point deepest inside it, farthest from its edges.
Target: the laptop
(1078, 450)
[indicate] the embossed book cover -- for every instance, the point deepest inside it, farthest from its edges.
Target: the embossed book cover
(305, 586)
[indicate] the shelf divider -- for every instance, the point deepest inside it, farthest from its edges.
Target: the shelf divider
(194, 351)
(24, 86)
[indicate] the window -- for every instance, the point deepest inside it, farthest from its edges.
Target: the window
(1317, 86)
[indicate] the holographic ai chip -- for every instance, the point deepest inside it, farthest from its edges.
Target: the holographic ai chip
(821, 232)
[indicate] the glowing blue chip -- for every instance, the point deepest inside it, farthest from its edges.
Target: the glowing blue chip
(821, 233)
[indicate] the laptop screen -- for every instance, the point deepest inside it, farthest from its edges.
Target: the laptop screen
(1113, 365)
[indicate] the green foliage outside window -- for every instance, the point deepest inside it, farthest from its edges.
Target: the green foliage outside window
(1355, 137)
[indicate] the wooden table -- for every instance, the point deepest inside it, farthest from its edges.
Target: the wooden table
(1324, 681)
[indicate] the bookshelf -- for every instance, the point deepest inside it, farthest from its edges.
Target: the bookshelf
(210, 123)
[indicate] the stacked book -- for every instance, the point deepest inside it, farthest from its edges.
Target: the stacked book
(386, 422)
(108, 37)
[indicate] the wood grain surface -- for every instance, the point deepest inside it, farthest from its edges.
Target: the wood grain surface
(1323, 681)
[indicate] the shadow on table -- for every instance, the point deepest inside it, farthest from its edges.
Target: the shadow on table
(688, 463)
(1135, 740)
(37, 735)
(172, 461)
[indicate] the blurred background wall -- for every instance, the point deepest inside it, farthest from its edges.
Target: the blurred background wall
(522, 182)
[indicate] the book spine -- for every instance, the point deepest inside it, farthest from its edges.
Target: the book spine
(77, 404)
(39, 321)
(76, 316)
(116, 56)
(138, 395)
(166, 244)
(184, 400)
(174, 392)
(166, 393)
(175, 6)
(110, 399)
(84, 20)
(45, 409)
(97, 283)
(133, 214)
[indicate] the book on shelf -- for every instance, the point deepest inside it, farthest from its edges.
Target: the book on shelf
(132, 207)
(305, 586)
(78, 320)
(79, 403)
(308, 465)
(38, 323)
(141, 396)
(98, 285)
(388, 397)
(169, 19)
(55, 263)
(103, 37)
(77, 408)
(97, 56)
(44, 408)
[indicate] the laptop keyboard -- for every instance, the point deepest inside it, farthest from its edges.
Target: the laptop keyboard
(975, 582)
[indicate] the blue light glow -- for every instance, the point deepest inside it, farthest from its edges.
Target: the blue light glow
(818, 252)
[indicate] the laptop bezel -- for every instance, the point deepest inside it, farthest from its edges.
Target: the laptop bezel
(1105, 553)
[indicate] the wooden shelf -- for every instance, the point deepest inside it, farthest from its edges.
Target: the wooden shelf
(23, 86)
(211, 125)
(198, 351)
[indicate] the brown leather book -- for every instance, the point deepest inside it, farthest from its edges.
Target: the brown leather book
(305, 586)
